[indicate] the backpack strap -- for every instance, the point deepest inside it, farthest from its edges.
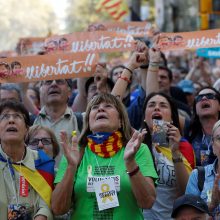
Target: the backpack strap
(201, 177)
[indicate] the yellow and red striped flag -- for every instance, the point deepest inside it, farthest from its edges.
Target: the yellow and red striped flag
(117, 9)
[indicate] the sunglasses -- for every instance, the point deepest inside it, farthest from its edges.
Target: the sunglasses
(210, 96)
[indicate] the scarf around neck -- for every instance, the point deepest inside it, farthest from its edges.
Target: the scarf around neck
(105, 144)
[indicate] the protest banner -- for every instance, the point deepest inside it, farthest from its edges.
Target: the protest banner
(47, 67)
(189, 40)
(99, 42)
(30, 45)
(136, 29)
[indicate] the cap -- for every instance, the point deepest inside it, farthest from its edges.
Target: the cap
(186, 86)
(189, 200)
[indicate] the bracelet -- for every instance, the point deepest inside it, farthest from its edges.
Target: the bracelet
(128, 69)
(125, 79)
(154, 64)
(144, 66)
(133, 172)
(177, 160)
(153, 70)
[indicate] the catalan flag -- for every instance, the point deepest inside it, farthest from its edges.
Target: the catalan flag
(187, 151)
(117, 9)
(42, 178)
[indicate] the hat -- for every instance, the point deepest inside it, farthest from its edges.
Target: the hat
(186, 86)
(189, 200)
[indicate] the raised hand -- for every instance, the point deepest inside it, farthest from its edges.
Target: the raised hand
(71, 152)
(154, 55)
(100, 77)
(136, 60)
(133, 145)
(141, 47)
(174, 136)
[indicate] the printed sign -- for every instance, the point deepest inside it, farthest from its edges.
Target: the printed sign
(136, 29)
(99, 41)
(106, 194)
(208, 52)
(189, 40)
(47, 67)
(92, 179)
(31, 45)
(159, 136)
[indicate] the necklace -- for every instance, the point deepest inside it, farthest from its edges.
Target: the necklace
(100, 168)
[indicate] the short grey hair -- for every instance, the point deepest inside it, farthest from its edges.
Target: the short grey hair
(11, 87)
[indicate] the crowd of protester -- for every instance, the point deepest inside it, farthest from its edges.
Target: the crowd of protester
(138, 140)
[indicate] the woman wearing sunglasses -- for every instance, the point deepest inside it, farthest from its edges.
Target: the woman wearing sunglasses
(43, 138)
(210, 192)
(206, 112)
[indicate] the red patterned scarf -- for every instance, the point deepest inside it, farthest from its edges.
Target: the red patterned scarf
(110, 145)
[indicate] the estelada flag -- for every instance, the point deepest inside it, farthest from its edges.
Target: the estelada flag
(117, 9)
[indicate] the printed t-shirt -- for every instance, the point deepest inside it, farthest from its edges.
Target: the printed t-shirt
(85, 205)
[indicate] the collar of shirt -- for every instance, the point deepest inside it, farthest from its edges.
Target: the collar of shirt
(211, 169)
(67, 112)
(28, 160)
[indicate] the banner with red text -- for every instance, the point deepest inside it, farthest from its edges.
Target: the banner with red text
(47, 67)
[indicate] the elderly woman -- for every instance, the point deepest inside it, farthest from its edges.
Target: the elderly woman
(41, 137)
(112, 176)
(26, 176)
(210, 188)
(174, 157)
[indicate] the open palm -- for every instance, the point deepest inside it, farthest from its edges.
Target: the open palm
(71, 152)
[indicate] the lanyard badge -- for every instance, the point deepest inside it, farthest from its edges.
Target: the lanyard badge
(23, 186)
(106, 194)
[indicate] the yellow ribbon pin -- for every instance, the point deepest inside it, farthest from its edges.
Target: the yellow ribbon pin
(105, 188)
(73, 133)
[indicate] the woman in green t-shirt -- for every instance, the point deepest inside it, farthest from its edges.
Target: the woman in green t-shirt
(112, 175)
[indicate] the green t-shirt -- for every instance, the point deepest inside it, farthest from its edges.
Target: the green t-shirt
(85, 204)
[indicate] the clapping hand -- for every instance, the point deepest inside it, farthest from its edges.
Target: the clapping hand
(71, 152)
(133, 145)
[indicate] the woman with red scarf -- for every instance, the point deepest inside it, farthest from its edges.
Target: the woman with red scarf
(112, 175)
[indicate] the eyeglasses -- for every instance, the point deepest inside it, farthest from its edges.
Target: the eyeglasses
(216, 139)
(35, 142)
(15, 116)
(58, 82)
(208, 96)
